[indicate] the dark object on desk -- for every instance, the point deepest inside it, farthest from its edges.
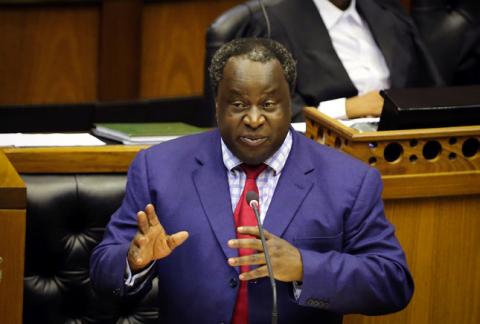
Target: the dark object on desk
(430, 107)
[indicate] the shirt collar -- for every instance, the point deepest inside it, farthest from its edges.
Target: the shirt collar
(331, 14)
(276, 162)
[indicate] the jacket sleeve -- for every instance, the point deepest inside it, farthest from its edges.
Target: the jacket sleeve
(107, 262)
(369, 275)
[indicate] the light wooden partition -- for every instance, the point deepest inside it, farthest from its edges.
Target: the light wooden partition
(432, 196)
(109, 159)
(12, 242)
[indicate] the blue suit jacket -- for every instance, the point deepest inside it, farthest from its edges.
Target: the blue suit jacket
(326, 204)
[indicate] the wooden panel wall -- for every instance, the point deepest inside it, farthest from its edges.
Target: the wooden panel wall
(48, 54)
(440, 237)
(174, 46)
(56, 54)
(120, 49)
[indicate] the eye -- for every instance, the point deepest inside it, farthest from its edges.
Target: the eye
(269, 105)
(239, 105)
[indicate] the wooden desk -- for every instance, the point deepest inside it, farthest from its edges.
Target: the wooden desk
(434, 205)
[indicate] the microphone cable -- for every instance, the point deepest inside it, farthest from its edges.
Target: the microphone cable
(267, 20)
(252, 200)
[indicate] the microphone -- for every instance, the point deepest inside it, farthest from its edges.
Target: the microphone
(252, 200)
(265, 15)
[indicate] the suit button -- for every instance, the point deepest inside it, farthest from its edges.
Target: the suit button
(233, 282)
(314, 303)
(116, 292)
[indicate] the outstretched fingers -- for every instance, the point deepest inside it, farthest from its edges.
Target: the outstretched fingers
(142, 222)
(253, 230)
(151, 215)
(177, 239)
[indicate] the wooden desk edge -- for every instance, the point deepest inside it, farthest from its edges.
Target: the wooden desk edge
(96, 159)
(353, 135)
(117, 158)
(13, 192)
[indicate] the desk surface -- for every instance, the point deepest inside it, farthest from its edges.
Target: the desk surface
(95, 159)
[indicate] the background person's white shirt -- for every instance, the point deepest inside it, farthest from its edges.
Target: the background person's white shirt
(354, 44)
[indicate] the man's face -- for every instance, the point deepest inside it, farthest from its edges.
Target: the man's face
(253, 108)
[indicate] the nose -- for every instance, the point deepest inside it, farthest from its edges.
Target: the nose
(254, 117)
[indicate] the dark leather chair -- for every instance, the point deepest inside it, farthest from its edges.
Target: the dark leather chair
(66, 216)
(229, 25)
(451, 29)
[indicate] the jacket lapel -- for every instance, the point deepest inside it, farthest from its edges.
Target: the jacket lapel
(382, 24)
(211, 183)
(292, 188)
(313, 47)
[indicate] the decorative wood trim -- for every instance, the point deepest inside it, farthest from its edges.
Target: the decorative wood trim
(13, 193)
(416, 151)
(431, 185)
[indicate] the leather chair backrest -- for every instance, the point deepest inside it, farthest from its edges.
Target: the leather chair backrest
(229, 25)
(66, 217)
(451, 30)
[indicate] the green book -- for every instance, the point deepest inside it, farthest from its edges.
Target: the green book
(144, 133)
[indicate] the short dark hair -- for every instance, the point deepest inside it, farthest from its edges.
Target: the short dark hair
(257, 50)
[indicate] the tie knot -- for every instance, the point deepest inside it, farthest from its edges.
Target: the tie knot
(252, 171)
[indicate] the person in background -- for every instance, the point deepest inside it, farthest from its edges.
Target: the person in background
(185, 221)
(348, 50)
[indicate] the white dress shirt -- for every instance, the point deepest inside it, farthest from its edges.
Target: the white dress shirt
(354, 44)
(266, 181)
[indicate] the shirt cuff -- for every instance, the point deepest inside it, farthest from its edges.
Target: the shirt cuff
(130, 279)
(297, 289)
(334, 108)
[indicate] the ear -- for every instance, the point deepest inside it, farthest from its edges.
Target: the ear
(216, 110)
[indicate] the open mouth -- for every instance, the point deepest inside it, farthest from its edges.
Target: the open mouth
(253, 141)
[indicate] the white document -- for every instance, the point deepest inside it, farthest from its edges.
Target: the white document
(53, 139)
(300, 127)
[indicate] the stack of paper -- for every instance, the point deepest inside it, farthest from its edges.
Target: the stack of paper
(53, 139)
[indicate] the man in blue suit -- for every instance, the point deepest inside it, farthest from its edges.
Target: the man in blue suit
(332, 250)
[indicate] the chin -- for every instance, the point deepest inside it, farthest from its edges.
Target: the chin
(253, 160)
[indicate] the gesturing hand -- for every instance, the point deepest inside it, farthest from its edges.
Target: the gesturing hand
(286, 259)
(151, 241)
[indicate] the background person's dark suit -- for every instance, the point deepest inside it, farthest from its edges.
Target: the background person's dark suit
(321, 75)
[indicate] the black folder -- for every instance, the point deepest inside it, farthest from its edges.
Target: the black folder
(430, 107)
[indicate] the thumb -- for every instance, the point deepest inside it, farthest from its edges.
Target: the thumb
(177, 239)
